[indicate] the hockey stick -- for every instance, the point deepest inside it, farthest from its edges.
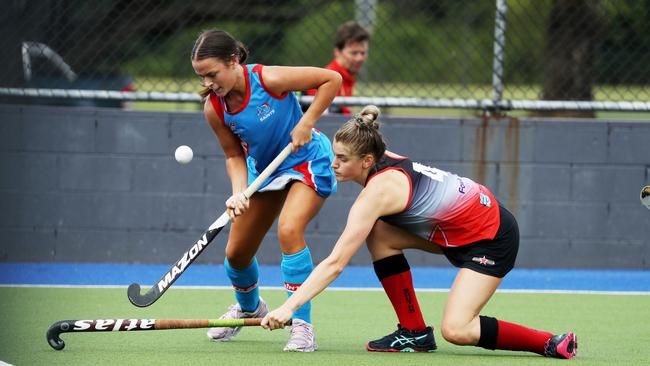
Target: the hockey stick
(155, 292)
(128, 325)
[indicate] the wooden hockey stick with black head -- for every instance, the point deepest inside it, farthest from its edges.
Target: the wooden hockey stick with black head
(129, 325)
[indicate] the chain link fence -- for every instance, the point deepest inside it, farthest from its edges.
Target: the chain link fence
(480, 54)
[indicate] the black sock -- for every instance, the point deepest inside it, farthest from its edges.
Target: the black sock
(489, 331)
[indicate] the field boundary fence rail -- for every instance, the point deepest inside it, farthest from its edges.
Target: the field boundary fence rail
(501, 55)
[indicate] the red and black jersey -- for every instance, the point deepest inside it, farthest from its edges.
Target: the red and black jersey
(443, 207)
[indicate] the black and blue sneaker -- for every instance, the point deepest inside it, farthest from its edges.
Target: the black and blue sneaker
(404, 340)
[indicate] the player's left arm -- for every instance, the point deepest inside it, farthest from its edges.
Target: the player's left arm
(281, 79)
(384, 195)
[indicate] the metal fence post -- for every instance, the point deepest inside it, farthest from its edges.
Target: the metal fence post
(499, 49)
(365, 13)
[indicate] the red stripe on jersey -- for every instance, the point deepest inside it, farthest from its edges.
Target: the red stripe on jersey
(305, 170)
(408, 202)
(217, 104)
(438, 236)
(258, 69)
(248, 92)
(216, 101)
(244, 146)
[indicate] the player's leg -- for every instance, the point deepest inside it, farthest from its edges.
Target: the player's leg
(386, 243)
(386, 240)
(469, 293)
(300, 207)
(246, 235)
(483, 266)
(462, 324)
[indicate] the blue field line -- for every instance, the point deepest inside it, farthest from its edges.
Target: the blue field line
(104, 274)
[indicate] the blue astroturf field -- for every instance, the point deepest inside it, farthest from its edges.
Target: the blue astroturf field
(101, 274)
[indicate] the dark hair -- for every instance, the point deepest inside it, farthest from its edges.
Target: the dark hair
(361, 134)
(350, 32)
(218, 44)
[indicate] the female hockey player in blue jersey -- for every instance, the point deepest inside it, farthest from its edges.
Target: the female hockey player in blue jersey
(254, 114)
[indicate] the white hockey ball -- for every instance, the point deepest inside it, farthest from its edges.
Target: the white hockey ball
(184, 154)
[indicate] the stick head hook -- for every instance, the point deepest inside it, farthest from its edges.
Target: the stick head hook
(52, 334)
(135, 296)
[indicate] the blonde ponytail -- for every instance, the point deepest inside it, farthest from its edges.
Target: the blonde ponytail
(361, 133)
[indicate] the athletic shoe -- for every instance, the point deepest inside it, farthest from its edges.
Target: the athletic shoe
(404, 340)
(302, 337)
(221, 334)
(561, 346)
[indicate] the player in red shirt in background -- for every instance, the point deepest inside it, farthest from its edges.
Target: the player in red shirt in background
(350, 53)
(407, 205)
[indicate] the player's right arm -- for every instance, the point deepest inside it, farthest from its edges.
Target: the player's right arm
(361, 219)
(386, 194)
(235, 160)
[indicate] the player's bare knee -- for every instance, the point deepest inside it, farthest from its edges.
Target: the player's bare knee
(290, 235)
(454, 334)
(238, 257)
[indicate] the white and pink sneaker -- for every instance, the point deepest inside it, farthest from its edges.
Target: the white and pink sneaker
(302, 337)
(222, 334)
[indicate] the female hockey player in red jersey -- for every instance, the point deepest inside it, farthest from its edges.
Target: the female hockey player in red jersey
(407, 205)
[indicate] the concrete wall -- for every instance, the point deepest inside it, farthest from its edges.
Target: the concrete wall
(102, 185)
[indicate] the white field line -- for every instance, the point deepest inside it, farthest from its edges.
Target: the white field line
(370, 289)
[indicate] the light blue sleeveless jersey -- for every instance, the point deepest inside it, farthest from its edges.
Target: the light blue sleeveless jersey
(264, 123)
